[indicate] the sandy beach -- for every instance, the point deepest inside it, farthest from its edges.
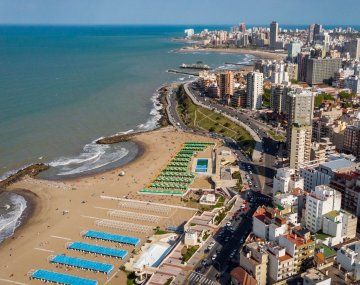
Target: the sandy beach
(61, 210)
(261, 54)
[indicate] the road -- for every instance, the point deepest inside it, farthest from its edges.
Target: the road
(268, 147)
(217, 271)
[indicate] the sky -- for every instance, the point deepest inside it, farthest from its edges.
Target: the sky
(327, 12)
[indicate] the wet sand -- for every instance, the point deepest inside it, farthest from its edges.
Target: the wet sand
(61, 210)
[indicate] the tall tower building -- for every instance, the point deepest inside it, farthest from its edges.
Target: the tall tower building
(278, 98)
(274, 33)
(255, 82)
(310, 37)
(294, 48)
(226, 84)
(300, 108)
(318, 29)
(302, 60)
(353, 47)
(242, 28)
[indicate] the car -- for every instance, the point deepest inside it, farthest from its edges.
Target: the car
(211, 245)
(214, 257)
(228, 224)
(250, 172)
(227, 239)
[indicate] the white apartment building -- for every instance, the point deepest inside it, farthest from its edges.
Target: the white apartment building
(255, 82)
(279, 75)
(269, 224)
(284, 181)
(339, 225)
(348, 257)
(316, 173)
(319, 202)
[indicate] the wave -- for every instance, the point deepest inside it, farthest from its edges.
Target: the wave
(94, 156)
(11, 218)
(155, 114)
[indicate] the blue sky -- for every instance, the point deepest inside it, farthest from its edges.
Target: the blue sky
(333, 12)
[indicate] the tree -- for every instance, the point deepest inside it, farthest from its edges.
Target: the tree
(343, 95)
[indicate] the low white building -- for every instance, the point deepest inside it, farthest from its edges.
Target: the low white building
(339, 225)
(285, 182)
(348, 257)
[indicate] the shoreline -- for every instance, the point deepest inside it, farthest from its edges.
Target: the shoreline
(58, 211)
(35, 169)
(260, 54)
(32, 207)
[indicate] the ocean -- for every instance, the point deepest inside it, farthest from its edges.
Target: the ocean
(63, 87)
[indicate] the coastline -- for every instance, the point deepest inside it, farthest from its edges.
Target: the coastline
(60, 210)
(260, 54)
(32, 208)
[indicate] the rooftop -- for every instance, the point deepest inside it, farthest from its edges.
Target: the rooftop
(242, 277)
(326, 251)
(338, 164)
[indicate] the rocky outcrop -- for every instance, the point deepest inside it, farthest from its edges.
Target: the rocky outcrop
(164, 120)
(116, 139)
(31, 170)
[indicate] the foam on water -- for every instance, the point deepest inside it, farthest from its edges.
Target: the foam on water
(94, 156)
(155, 115)
(10, 215)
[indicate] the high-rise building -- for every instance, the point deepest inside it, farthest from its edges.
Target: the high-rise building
(255, 82)
(226, 84)
(310, 37)
(319, 70)
(318, 29)
(294, 48)
(353, 83)
(279, 74)
(302, 60)
(353, 47)
(278, 98)
(292, 70)
(274, 33)
(321, 201)
(352, 139)
(242, 28)
(300, 108)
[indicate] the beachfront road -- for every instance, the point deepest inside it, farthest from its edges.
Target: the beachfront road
(269, 147)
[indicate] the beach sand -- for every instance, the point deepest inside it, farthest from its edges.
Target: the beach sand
(261, 54)
(61, 210)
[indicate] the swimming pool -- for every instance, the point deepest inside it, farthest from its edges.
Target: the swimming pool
(202, 165)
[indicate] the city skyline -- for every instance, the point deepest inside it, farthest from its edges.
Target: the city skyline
(177, 13)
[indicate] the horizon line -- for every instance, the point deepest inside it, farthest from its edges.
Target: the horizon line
(161, 24)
